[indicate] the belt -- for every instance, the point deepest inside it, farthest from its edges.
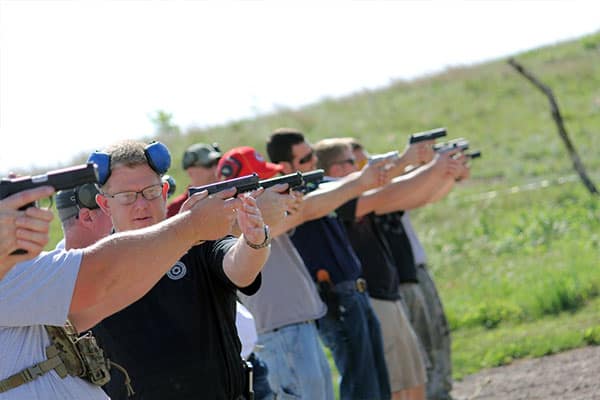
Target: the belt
(308, 321)
(360, 285)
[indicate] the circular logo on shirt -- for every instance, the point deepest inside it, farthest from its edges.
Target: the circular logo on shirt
(177, 271)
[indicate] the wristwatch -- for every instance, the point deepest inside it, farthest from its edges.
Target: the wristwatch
(265, 242)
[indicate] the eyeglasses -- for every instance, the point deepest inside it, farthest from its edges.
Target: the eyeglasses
(350, 161)
(306, 158)
(126, 198)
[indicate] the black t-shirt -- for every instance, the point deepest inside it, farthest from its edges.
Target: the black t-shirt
(378, 267)
(399, 243)
(179, 341)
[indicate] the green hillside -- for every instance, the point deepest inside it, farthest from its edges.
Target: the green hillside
(517, 269)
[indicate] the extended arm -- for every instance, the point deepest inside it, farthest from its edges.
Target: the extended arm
(121, 268)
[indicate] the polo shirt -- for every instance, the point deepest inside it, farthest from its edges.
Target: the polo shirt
(393, 228)
(376, 259)
(323, 244)
(180, 340)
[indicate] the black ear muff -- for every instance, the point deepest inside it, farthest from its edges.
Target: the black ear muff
(230, 168)
(85, 196)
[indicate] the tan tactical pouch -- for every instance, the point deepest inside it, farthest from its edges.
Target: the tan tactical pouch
(69, 354)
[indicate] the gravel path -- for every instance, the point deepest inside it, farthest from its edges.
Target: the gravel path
(570, 375)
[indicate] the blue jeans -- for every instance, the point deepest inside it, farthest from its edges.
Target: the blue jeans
(298, 368)
(355, 340)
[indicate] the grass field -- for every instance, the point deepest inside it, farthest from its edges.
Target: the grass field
(517, 269)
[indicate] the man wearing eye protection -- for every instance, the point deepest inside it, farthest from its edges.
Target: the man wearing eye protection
(179, 340)
(89, 284)
(200, 163)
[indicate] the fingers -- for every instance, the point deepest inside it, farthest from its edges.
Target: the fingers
(258, 192)
(38, 223)
(25, 197)
(193, 200)
(225, 194)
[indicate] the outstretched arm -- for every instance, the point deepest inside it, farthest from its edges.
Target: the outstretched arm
(121, 268)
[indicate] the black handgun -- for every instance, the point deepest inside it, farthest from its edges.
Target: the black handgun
(427, 135)
(243, 184)
(294, 181)
(60, 179)
(474, 154)
(461, 144)
(311, 180)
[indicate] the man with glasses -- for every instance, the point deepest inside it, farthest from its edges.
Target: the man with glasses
(402, 354)
(287, 304)
(179, 340)
(89, 284)
(199, 162)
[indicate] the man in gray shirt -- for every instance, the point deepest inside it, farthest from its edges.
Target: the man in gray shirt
(287, 304)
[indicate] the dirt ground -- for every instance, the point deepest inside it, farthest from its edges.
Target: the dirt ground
(570, 375)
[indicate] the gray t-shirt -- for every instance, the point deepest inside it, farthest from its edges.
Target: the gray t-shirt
(287, 294)
(415, 243)
(32, 294)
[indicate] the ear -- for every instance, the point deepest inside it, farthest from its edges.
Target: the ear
(102, 202)
(165, 190)
(85, 216)
(287, 167)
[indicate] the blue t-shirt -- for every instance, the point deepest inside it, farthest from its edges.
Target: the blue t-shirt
(35, 293)
(323, 244)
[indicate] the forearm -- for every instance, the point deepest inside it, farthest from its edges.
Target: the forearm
(242, 264)
(443, 190)
(321, 202)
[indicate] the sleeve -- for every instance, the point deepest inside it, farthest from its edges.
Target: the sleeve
(39, 291)
(347, 211)
(214, 254)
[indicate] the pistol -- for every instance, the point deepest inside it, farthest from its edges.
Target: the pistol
(427, 135)
(60, 179)
(387, 157)
(311, 180)
(294, 181)
(242, 184)
(474, 154)
(461, 144)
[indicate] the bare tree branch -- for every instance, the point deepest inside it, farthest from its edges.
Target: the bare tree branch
(577, 164)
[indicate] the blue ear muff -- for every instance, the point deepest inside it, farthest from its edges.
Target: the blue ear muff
(158, 156)
(102, 161)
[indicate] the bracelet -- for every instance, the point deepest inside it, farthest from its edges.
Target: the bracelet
(265, 242)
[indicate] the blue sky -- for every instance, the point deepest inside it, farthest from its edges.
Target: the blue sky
(76, 76)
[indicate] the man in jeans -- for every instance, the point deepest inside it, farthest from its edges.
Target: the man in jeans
(287, 304)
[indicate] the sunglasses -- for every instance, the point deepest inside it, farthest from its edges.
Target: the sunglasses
(306, 158)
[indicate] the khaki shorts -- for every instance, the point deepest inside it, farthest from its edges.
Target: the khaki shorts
(403, 356)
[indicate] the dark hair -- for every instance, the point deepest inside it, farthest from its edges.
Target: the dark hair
(280, 142)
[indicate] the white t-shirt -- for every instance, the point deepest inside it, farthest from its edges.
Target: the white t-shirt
(32, 294)
(244, 322)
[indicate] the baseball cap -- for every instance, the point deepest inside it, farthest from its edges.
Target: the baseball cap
(245, 160)
(68, 202)
(200, 154)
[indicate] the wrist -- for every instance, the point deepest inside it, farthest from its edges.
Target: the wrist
(265, 243)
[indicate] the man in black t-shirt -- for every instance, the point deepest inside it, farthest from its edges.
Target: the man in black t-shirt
(420, 298)
(179, 340)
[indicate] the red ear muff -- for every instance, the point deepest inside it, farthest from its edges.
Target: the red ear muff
(230, 168)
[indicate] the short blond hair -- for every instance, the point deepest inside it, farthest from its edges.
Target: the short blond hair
(329, 151)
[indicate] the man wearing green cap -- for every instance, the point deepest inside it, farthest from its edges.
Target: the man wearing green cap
(200, 162)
